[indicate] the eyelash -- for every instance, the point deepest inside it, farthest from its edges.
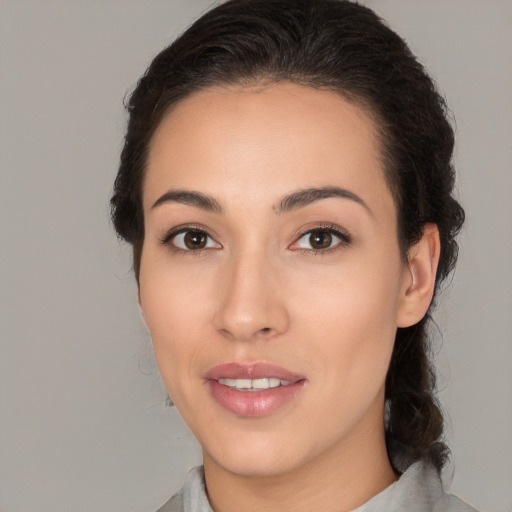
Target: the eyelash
(344, 237)
(174, 232)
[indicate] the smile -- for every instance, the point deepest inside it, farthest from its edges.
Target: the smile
(254, 384)
(253, 390)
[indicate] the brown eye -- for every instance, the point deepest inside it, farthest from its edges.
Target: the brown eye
(320, 239)
(193, 240)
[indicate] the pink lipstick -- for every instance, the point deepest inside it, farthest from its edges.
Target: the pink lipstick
(253, 390)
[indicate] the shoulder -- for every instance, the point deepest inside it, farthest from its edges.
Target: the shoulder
(192, 497)
(419, 489)
(423, 487)
(175, 504)
(450, 503)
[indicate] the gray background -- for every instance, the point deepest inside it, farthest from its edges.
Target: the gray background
(83, 426)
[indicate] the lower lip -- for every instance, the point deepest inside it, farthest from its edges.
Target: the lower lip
(254, 404)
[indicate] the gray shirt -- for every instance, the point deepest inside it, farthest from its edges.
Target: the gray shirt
(419, 489)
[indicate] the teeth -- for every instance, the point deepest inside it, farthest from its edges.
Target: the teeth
(273, 383)
(254, 384)
(243, 383)
(261, 383)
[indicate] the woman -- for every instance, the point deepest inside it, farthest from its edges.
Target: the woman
(286, 185)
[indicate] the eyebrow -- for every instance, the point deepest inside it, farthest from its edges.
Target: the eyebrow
(299, 199)
(307, 196)
(191, 198)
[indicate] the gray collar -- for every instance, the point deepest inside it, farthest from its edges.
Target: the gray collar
(419, 489)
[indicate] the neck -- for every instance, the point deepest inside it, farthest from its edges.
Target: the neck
(338, 480)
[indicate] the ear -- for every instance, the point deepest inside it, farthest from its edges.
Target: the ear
(141, 311)
(419, 277)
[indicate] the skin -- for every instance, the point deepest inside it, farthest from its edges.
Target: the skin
(259, 292)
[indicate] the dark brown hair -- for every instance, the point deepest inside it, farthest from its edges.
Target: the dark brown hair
(345, 47)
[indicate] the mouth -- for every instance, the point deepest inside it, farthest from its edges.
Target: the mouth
(254, 384)
(253, 390)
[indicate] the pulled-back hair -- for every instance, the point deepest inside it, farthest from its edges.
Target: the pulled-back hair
(345, 47)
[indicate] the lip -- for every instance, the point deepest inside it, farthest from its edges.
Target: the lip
(253, 404)
(251, 371)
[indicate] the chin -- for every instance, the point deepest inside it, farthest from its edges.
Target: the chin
(256, 467)
(257, 455)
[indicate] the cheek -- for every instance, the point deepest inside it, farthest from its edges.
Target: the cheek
(175, 307)
(350, 322)
(173, 297)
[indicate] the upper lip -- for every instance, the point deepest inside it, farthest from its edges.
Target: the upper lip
(258, 370)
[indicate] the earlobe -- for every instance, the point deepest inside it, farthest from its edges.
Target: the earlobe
(420, 279)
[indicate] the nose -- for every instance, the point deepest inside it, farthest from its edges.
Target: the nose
(251, 301)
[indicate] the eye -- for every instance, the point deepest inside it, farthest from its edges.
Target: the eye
(191, 240)
(321, 239)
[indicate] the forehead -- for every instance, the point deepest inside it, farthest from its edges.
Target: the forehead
(267, 140)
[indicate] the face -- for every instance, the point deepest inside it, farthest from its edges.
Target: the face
(271, 279)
